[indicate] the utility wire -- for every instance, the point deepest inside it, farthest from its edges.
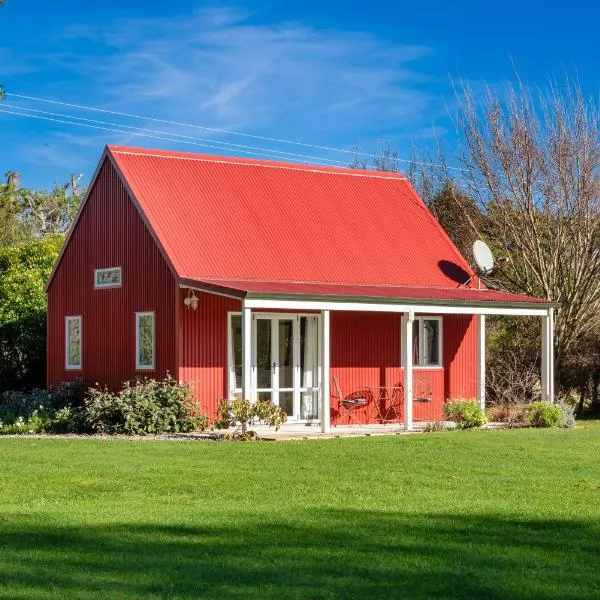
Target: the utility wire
(217, 130)
(272, 155)
(176, 136)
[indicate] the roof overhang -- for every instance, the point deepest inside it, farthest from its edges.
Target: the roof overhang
(362, 304)
(281, 300)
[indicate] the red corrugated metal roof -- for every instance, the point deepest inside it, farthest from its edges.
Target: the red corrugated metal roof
(236, 218)
(295, 288)
(259, 227)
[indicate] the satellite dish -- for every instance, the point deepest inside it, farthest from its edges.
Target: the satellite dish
(483, 257)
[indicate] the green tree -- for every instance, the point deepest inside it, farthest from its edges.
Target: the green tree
(23, 273)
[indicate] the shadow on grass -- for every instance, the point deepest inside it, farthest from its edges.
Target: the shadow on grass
(316, 554)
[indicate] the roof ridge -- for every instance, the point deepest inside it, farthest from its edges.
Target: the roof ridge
(265, 164)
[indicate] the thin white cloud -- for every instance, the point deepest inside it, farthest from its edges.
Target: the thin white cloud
(217, 67)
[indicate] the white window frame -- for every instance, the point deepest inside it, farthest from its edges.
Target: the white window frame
(231, 391)
(100, 286)
(419, 322)
(68, 365)
(138, 316)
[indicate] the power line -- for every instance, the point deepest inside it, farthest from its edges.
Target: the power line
(139, 133)
(177, 136)
(222, 131)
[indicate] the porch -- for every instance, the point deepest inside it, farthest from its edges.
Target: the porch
(474, 304)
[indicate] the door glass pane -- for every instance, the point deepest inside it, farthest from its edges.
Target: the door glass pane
(431, 335)
(264, 363)
(286, 402)
(308, 352)
(236, 345)
(309, 405)
(286, 354)
(264, 396)
(415, 353)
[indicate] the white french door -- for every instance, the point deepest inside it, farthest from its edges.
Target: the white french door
(284, 364)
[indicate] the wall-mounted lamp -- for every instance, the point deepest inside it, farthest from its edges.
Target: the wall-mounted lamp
(191, 301)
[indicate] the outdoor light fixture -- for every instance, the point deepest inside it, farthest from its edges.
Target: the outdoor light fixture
(191, 301)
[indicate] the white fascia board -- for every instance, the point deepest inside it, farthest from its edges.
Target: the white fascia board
(258, 303)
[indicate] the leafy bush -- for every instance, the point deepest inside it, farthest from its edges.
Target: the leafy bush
(230, 413)
(467, 414)
(42, 411)
(143, 407)
(568, 414)
(543, 414)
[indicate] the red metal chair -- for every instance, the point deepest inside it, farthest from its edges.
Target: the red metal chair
(354, 400)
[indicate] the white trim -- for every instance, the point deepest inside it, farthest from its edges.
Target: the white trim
(231, 356)
(547, 366)
(138, 316)
(420, 324)
(100, 286)
(407, 324)
(68, 366)
(300, 305)
(246, 352)
(325, 357)
(481, 361)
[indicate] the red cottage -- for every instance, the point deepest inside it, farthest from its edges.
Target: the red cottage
(334, 292)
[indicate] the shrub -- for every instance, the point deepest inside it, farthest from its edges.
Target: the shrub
(513, 414)
(568, 414)
(144, 407)
(230, 413)
(543, 414)
(36, 411)
(467, 414)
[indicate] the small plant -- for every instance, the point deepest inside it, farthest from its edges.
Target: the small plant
(568, 414)
(435, 426)
(240, 413)
(467, 414)
(543, 414)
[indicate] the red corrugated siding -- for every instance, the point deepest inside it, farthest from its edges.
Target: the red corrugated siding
(203, 347)
(460, 356)
(111, 233)
(365, 351)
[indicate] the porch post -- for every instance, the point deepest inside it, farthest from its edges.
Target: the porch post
(408, 370)
(246, 352)
(325, 395)
(481, 360)
(548, 356)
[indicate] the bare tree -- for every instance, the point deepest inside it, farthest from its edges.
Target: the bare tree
(533, 164)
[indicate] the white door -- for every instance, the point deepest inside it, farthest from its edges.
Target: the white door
(285, 363)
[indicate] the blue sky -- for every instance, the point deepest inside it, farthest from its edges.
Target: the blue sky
(319, 72)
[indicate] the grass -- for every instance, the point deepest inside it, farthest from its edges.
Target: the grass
(503, 514)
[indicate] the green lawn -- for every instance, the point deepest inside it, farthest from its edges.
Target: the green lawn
(505, 514)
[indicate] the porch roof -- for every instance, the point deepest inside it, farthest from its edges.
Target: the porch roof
(353, 292)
